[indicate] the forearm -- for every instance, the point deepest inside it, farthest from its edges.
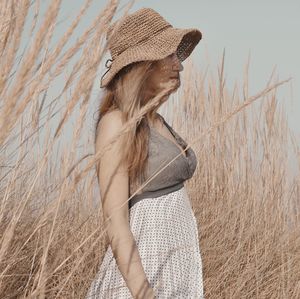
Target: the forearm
(129, 262)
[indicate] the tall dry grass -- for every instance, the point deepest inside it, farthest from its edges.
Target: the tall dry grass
(52, 234)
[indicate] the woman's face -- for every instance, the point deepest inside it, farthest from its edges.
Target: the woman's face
(165, 70)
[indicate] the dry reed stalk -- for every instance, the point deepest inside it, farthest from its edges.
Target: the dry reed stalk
(52, 234)
(127, 126)
(25, 72)
(7, 109)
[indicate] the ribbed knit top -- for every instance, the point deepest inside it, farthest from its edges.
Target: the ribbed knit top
(161, 151)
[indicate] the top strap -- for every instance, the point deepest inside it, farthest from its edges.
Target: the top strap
(175, 134)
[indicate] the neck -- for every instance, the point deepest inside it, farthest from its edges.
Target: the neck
(155, 119)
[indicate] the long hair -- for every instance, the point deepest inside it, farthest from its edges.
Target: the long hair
(127, 93)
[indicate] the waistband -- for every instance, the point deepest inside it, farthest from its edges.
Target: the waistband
(155, 193)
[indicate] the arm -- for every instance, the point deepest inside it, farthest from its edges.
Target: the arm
(114, 181)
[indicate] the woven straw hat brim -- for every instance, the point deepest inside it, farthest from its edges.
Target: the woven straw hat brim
(155, 48)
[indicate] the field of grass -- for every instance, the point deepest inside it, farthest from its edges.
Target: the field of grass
(244, 193)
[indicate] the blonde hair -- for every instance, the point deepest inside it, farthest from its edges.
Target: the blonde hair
(127, 93)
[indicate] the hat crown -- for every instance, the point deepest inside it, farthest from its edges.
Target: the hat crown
(134, 29)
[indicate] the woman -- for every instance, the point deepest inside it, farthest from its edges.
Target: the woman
(153, 239)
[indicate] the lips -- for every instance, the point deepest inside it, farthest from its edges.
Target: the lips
(174, 76)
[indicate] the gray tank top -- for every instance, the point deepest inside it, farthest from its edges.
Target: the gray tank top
(161, 152)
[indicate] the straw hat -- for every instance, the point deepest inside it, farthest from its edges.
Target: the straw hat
(145, 35)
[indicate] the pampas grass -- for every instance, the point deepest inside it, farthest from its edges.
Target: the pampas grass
(243, 193)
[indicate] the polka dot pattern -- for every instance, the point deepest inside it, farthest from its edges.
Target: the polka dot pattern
(166, 235)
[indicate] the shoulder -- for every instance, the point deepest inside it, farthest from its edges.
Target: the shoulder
(111, 120)
(109, 125)
(109, 138)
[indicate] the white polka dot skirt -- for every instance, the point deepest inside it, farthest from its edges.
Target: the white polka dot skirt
(166, 234)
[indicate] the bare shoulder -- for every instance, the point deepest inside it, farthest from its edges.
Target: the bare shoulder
(111, 120)
(109, 125)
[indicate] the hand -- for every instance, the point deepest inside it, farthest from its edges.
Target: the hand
(150, 294)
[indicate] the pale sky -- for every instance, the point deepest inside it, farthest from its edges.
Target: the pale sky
(269, 30)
